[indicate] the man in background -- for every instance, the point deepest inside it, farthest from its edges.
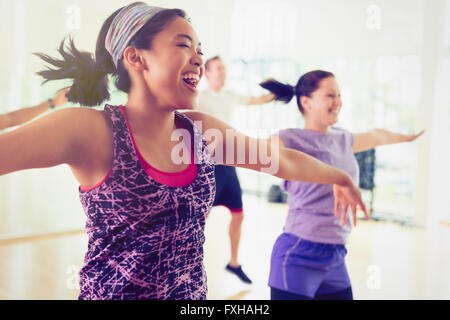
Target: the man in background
(220, 103)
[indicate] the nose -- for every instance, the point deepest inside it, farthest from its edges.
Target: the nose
(197, 60)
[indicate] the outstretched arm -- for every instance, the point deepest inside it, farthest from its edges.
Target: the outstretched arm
(21, 116)
(79, 137)
(43, 143)
(261, 100)
(380, 137)
(230, 147)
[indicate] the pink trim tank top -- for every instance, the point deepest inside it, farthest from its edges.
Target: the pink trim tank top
(146, 238)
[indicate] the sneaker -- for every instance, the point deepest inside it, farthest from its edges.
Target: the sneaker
(238, 271)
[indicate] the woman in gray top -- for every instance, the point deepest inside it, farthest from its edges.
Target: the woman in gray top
(308, 259)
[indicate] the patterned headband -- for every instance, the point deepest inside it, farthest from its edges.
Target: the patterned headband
(125, 25)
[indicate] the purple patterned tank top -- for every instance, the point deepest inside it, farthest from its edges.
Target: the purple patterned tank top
(145, 238)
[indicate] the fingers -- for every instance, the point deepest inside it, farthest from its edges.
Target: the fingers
(419, 134)
(344, 214)
(363, 208)
(62, 91)
(60, 97)
(354, 215)
(343, 201)
(61, 94)
(336, 207)
(415, 136)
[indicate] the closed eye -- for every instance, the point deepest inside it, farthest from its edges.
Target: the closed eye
(187, 46)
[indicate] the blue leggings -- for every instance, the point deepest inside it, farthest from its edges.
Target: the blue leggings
(277, 294)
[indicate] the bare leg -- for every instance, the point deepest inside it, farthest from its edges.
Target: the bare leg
(235, 236)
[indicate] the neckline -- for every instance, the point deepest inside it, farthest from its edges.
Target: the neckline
(187, 176)
(330, 130)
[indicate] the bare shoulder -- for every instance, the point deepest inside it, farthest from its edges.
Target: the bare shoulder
(82, 120)
(87, 130)
(92, 142)
(80, 114)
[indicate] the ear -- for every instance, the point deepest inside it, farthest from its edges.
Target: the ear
(134, 59)
(306, 103)
(206, 73)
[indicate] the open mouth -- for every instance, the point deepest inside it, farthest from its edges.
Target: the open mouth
(191, 79)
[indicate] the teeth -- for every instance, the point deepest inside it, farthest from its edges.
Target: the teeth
(191, 76)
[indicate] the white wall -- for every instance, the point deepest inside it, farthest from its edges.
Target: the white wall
(438, 204)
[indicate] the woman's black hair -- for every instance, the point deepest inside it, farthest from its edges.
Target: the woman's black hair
(90, 81)
(306, 85)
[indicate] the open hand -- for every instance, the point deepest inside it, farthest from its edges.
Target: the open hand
(413, 137)
(60, 97)
(348, 196)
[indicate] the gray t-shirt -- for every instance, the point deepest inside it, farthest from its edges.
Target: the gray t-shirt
(220, 105)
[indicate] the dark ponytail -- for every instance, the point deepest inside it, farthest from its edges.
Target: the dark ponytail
(306, 85)
(90, 81)
(90, 85)
(283, 92)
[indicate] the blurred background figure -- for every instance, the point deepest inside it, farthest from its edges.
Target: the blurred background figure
(18, 117)
(221, 103)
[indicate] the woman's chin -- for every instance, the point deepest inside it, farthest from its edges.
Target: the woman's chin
(333, 120)
(185, 106)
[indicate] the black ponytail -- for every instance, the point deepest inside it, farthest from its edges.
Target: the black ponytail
(283, 92)
(90, 86)
(90, 81)
(306, 85)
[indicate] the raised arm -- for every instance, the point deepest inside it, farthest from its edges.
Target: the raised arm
(233, 148)
(23, 115)
(43, 143)
(73, 136)
(379, 137)
(261, 100)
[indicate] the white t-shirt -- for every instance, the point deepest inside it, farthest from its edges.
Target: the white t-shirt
(220, 105)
